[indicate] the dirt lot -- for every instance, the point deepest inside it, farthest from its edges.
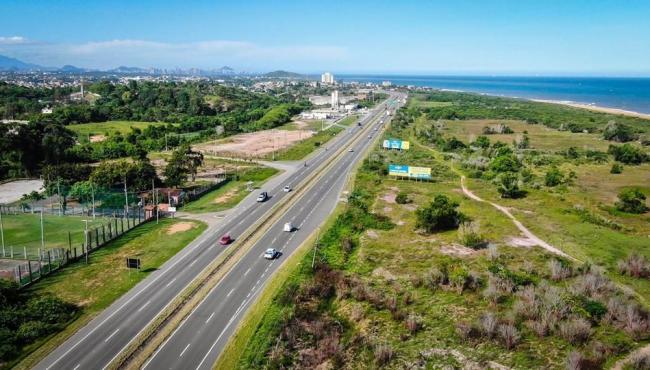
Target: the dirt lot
(13, 191)
(254, 144)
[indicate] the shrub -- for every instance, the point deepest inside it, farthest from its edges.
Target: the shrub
(640, 361)
(635, 265)
(441, 214)
(489, 324)
(508, 186)
(469, 235)
(435, 277)
(383, 354)
(575, 361)
(466, 331)
(509, 335)
(575, 331)
(628, 154)
(631, 201)
(493, 252)
(616, 168)
(559, 271)
(618, 132)
(402, 198)
(413, 323)
(553, 177)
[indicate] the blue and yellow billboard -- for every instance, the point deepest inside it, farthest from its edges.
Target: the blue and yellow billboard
(411, 172)
(396, 144)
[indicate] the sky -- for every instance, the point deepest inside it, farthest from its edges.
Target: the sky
(501, 37)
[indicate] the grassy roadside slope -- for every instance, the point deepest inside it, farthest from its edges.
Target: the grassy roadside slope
(388, 295)
(95, 286)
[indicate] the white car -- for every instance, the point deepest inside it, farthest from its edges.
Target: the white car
(271, 253)
(350, 150)
(288, 227)
(286, 188)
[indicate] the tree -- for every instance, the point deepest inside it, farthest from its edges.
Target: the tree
(138, 174)
(184, 161)
(505, 163)
(631, 201)
(618, 132)
(482, 142)
(617, 168)
(440, 214)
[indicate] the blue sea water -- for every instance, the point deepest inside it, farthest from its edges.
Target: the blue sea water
(631, 94)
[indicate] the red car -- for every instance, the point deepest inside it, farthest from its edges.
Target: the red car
(225, 239)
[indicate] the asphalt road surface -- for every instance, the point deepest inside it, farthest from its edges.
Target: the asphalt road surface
(200, 338)
(104, 338)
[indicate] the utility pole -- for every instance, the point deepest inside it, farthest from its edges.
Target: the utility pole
(42, 233)
(165, 141)
(92, 193)
(2, 235)
(86, 239)
(126, 200)
(58, 190)
(313, 259)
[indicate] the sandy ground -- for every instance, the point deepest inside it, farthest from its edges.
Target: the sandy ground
(179, 227)
(97, 138)
(596, 108)
(254, 144)
(13, 191)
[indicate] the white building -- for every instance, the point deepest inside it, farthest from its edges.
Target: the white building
(335, 99)
(46, 110)
(327, 78)
(386, 84)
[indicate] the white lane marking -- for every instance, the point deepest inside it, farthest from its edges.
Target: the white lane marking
(209, 318)
(76, 367)
(111, 336)
(193, 262)
(170, 283)
(247, 271)
(144, 305)
(185, 349)
(230, 292)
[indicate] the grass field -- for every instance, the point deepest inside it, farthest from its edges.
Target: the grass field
(231, 193)
(419, 102)
(541, 137)
(95, 286)
(24, 230)
(347, 121)
(302, 148)
(109, 128)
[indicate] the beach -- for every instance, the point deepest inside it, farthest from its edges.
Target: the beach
(596, 108)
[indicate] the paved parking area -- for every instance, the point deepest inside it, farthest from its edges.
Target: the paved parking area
(13, 191)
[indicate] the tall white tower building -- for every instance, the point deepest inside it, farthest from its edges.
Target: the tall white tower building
(327, 78)
(335, 99)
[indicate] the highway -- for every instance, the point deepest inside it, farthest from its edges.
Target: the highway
(200, 338)
(108, 334)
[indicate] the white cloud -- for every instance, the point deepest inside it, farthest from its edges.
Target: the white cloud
(12, 40)
(142, 53)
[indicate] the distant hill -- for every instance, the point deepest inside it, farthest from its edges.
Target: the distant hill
(125, 69)
(71, 68)
(225, 70)
(11, 64)
(283, 74)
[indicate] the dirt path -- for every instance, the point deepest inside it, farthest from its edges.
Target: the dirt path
(517, 223)
(524, 230)
(643, 351)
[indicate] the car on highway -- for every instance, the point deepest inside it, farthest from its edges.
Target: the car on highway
(288, 227)
(286, 188)
(350, 150)
(263, 197)
(271, 253)
(225, 239)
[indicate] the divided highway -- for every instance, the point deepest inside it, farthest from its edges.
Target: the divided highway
(200, 338)
(106, 336)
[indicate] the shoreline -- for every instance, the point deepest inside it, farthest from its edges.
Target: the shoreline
(595, 108)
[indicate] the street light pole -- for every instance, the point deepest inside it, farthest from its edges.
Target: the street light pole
(42, 233)
(86, 239)
(2, 235)
(92, 193)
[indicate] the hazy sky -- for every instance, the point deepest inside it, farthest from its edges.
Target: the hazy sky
(400, 36)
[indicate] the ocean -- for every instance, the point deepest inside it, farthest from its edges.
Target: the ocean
(631, 94)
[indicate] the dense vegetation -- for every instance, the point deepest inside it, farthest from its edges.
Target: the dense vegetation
(192, 111)
(25, 317)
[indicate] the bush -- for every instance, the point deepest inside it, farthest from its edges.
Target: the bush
(413, 323)
(441, 214)
(628, 154)
(559, 271)
(553, 177)
(489, 324)
(576, 330)
(509, 335)
(402, 198)
(508, 186)
(635, 265)
(640, 361)
(383, 354)
(617, 168)
(470, 236)
(631, 201)
(618, 132)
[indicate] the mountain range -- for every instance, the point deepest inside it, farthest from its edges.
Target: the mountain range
(8, 64)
